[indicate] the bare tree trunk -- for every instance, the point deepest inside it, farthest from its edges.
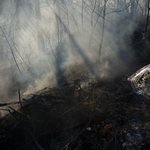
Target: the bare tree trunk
(146, 3)
(82, 13)
(93, 10)
(103, 28)
(39, 30)
(127, 10)
(146, 20)
(133, 7)
(118, 4)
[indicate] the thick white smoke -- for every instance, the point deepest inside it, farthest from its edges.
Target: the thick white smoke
(42, 40)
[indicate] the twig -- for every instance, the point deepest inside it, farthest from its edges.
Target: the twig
(118, 10)
(45, 133)
(6, 104)
(79, 132)
(20, 101)
(18, 112)
(34, 139)
(11, 50)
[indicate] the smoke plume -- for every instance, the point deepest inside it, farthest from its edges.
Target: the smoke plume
(43, 42)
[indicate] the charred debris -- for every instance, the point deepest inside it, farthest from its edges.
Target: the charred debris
(83, 113)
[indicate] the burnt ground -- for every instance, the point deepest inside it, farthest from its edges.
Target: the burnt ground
(102, 115)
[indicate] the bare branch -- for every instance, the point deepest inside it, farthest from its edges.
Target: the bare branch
(11, 50)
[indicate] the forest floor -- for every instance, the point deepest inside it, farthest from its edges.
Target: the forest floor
(102, 115)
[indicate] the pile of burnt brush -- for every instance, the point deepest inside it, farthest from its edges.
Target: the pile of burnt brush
(109, 116)
(102, 115)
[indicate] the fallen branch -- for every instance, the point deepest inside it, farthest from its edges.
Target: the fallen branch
(6, 104)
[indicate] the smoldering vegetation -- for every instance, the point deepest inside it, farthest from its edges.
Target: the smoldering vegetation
(64, 66)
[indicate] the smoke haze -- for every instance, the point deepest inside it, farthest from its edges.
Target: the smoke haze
(43, 41)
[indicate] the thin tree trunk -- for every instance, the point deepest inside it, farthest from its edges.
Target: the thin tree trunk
(82, 14)
(146, 20)
(146, 3)
(103, 28)
(133, 7)
(38, 17)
